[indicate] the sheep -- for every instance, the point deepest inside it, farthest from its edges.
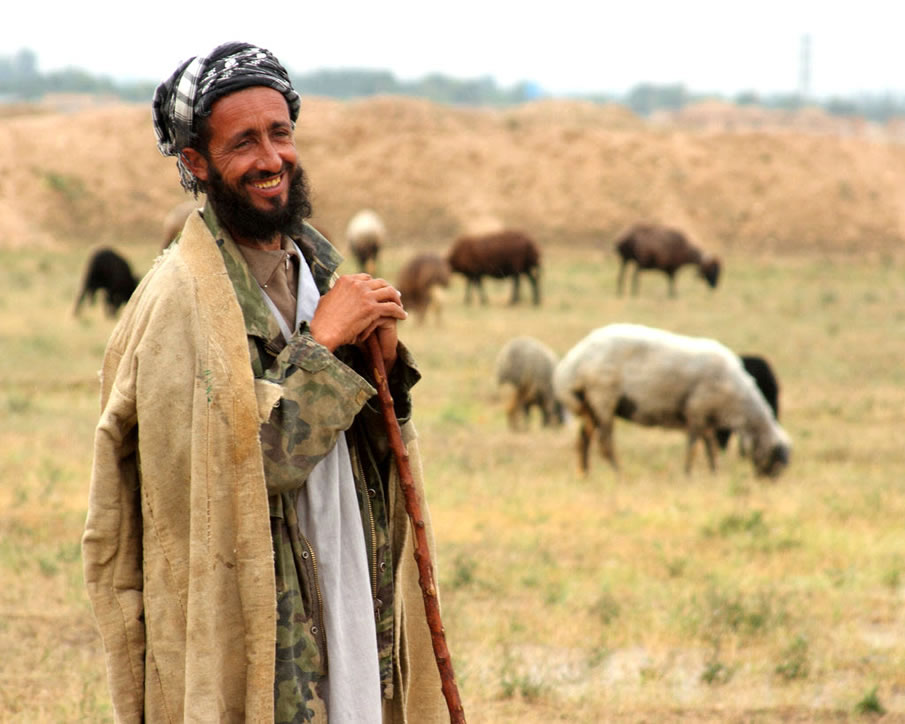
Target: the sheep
(107, 270)
(651, 246)
(499, 254)
(524, 366)
(418, 283)
(175, 219)
(766, 382)
(365, 236)
(657, 378)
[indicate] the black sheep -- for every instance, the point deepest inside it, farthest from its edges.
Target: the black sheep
(651, 246)
(498, 254)
(107, 270)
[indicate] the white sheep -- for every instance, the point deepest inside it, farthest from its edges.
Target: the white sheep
(366, 234)
(657, 378)
(524, 369)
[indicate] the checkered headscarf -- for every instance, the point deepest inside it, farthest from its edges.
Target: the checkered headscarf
(191, 91)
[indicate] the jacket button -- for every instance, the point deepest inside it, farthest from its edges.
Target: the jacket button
(382, 566)
(305, 555)
(314, 630)
(371, 492)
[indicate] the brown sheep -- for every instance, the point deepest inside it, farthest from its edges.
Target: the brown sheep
(365, 236)
(497, 254)
(418, 281)
(175, 219)
(651, 246)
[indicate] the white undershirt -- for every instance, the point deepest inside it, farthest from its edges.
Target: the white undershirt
(330, 519)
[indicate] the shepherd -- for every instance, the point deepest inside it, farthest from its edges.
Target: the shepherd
(247, 551)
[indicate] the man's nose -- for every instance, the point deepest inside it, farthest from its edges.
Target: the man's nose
(269, 158)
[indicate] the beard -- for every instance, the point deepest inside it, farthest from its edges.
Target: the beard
(246, 221)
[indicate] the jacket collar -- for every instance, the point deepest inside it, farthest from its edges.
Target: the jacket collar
(323, 260)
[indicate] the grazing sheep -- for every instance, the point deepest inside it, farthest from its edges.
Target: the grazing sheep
(766, 381)
(525, 367)
(651, 246)
(366, 235)
(657, 378)
(418, 283)
(175, 219)
(107, 270)
(498, 254)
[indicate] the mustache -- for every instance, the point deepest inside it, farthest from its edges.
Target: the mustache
(264, 175)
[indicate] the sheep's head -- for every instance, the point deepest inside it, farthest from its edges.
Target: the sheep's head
(557, 415)
(771, 454)
(710, 269)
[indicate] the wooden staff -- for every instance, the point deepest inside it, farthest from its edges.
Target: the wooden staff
(422, 553)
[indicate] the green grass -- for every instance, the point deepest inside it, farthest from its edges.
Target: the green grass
(644, 596)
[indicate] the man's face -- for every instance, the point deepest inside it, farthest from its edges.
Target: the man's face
(251, 144)
(250, 168)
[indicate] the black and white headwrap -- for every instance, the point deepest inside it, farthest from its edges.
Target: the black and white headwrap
(191, 91)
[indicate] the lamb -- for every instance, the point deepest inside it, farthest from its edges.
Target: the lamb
(365, 236)
(524, 366)
(175, 219)
(107, 270)
(651, 246)
(766, 382)
(657, 378)
(419, 281)
(500, 254)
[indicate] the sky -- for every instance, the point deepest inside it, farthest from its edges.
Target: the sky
(565, 46)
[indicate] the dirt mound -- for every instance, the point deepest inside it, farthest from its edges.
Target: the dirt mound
(565, 171)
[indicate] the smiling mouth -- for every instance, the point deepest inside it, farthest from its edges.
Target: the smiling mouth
(269, 183)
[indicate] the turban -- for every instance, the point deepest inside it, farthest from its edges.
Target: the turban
(191, 91)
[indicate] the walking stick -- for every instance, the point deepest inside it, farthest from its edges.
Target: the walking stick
(422, 553)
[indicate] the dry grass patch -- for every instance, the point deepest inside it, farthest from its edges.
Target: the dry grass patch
(643, 596)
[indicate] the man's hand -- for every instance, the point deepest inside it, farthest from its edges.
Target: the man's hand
(356, 306)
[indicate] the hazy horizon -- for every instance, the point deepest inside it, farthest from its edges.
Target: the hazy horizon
(707, 46)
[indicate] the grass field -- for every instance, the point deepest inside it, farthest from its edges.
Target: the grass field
(644, 596)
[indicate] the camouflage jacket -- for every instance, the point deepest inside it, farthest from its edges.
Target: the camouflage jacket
(320, 395)
(177, 549)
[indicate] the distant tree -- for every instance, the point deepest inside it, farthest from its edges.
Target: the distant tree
(747, 98)
(21, 79)
(645, 98)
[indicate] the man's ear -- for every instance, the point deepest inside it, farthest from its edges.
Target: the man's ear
(195, 162)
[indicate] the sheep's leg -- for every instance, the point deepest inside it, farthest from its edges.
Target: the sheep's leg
(605, 438)
(620, 279)
(689, 451)
(534, 278)
(468, 284)
(744, 444)
(481, 292)
(636, 279)
(584, 443)
(78, 302)
(672, 283)
(709, 438)
(513, 412)
(710, 446)
(515, 288)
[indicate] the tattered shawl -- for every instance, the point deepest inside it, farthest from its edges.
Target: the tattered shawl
(178, 559)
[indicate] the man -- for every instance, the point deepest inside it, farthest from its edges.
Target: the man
(246, 549)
